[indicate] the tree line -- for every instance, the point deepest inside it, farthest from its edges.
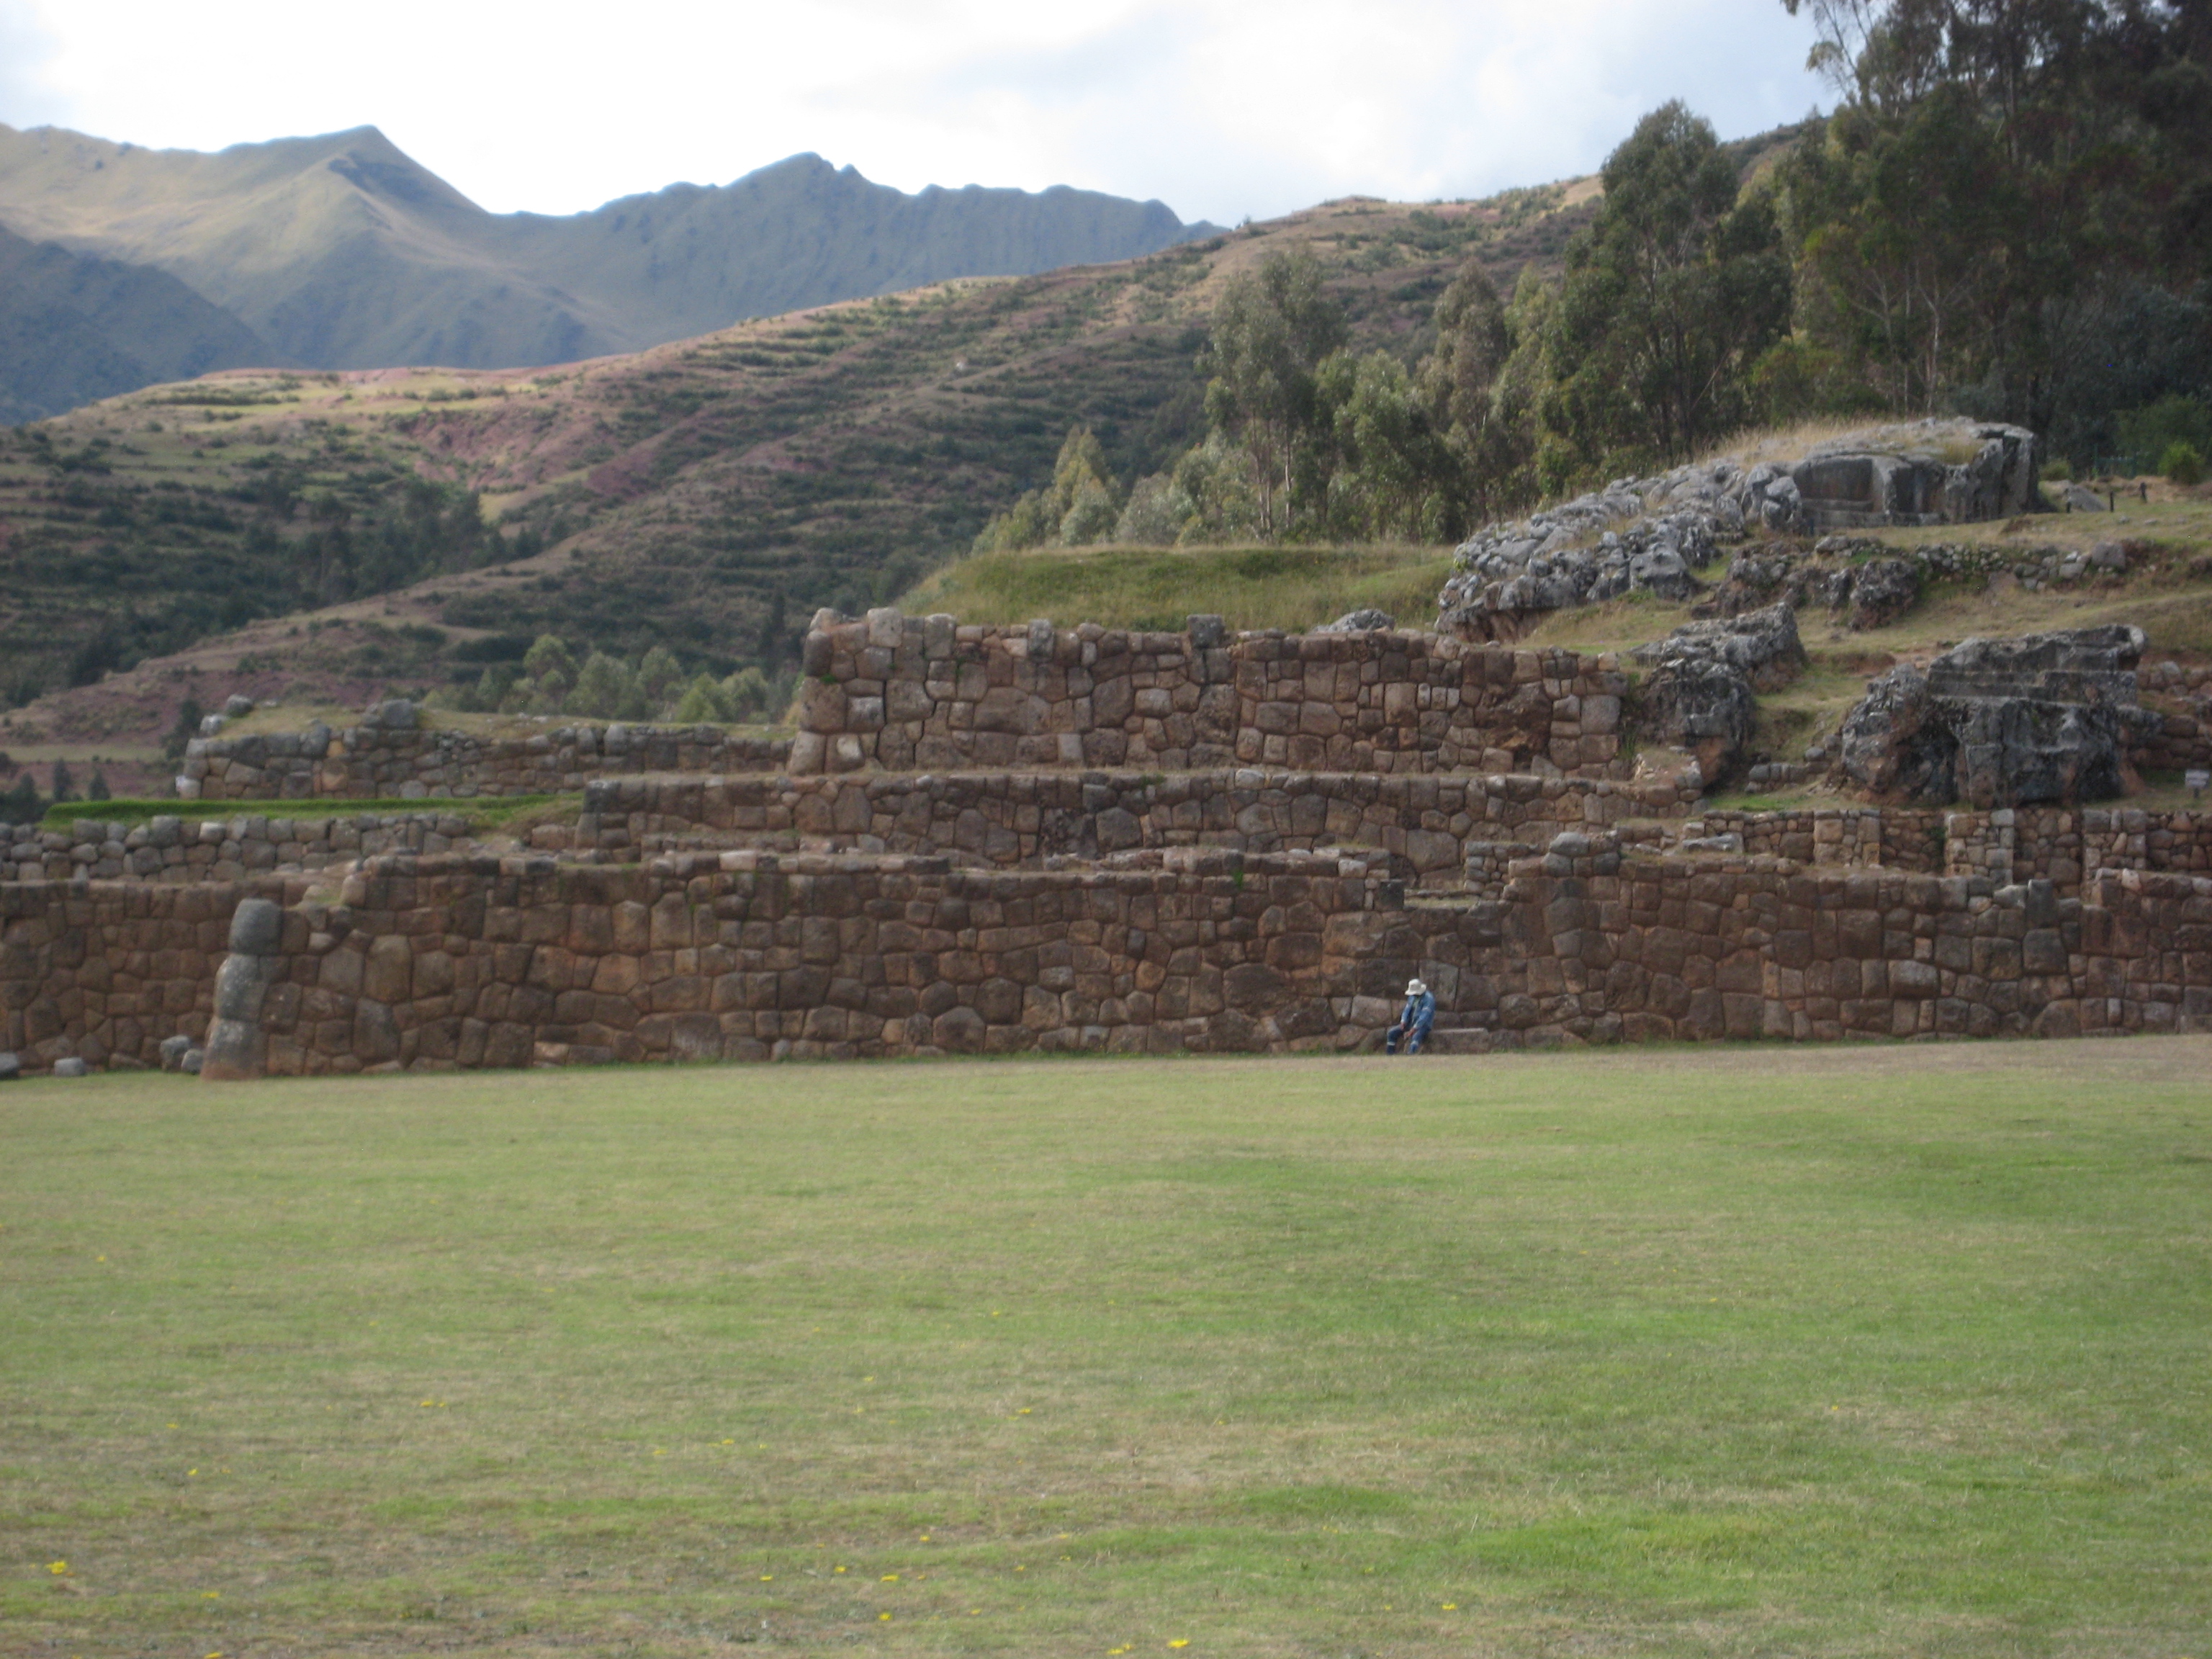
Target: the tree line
(2008, 216)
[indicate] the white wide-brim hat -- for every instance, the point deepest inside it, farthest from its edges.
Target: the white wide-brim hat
(1414, 988)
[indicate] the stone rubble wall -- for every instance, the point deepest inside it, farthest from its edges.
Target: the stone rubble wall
(907, 694)
(373, 763)
(1425, 821)
(176, 851)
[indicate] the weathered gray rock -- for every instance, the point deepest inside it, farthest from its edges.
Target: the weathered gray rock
(1882, 591)
(257, 927)
(233, 1051)
(1651, 534)
(194, 1061)
(1359, 622)
(1699, 697)
(1996, 723)
(238, 705)
(394, 714)
(241, 984)
(72, 1067)
(1207, 631)
(1762, 646)
(11, 1068)
(2079, 498)
(173, 1050)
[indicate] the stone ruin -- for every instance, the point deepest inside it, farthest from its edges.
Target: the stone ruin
(1035, 839)
(1652, 535)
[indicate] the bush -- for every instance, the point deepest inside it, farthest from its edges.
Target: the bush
(2057, 470)
(2148, 433)
(2183, 462)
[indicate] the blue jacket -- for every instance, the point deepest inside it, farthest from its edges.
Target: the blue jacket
(1420, 1011)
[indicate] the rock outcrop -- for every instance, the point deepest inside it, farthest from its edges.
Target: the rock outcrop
(1997, 723)
(1654, 534)
(1700, 695)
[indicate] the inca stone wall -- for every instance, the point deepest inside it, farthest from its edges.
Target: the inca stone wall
(372, 762)
(1896, 838)
(906, 693)
(174, 850)
(456, 961)
(1425, 822)
(102, 971)
(461, 962)
(2067, 846)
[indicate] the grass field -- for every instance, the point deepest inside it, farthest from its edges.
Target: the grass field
(1844, 1351)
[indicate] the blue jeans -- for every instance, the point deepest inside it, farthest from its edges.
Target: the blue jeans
(1413, 1038)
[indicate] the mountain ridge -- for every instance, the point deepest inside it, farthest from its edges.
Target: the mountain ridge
(340, 250)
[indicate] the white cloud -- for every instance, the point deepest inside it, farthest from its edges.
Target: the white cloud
(1222, 108)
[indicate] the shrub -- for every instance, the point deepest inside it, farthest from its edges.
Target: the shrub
(2148, 433)
(2183, 463)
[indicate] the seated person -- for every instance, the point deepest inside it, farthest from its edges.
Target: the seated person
(1413, 1020)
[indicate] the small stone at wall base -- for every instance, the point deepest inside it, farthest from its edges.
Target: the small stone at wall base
(193, 1061)
(72, 1067)
(173, 1050)
(10, 1068)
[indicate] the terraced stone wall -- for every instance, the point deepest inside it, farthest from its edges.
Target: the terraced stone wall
(2066, 845)
(1894, 838)
(372, 762)
(104, 970)
(1425, 822)
(454, 962)
(906, 693)
(177, 851)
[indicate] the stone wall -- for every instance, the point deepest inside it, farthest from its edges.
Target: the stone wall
(456, 961)
(103, 971)
(374, 763)
(1896, 837)
(2065, 845)
(908, 693)
(1426, 823)
(174, 850)
(2168, 741)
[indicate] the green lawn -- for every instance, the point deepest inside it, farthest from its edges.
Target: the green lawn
(1898, 1350)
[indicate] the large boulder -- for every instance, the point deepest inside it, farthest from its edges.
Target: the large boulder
(1651, 535)
(1995, 723)
(1700, 695)
(1882, 591)
(1368, 621)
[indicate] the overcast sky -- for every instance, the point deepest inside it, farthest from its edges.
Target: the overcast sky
(1221, 108)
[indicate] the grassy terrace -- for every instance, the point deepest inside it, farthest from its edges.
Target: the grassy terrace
(1864, 1351)
(1161, 588)
(486, 814)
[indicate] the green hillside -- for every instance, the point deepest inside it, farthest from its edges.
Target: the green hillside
(708, 495)
(75, 328)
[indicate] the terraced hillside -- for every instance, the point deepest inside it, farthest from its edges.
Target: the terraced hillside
(407, 524)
